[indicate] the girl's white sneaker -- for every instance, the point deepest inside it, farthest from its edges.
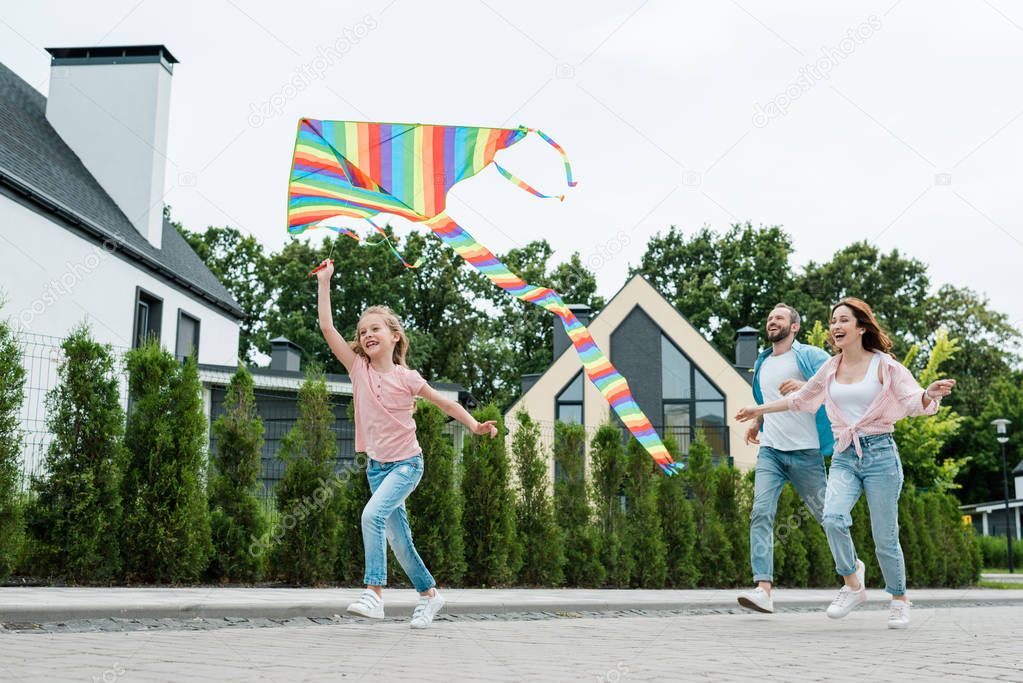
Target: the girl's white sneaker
(368, 605)
(426, 610)
(898, 614)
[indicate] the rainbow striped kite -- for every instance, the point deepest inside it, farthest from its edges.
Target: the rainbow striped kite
(359, 170)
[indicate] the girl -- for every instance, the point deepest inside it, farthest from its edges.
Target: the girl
(384, 391)
(865, 392)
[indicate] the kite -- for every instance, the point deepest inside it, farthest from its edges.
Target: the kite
(358, 170)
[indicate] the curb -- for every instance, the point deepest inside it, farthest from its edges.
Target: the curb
(327, 609)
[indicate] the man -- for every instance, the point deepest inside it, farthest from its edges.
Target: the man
(792, 445)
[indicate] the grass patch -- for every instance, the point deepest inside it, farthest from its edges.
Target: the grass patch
(1001, 585)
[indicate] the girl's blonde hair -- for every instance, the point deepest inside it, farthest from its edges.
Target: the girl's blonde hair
(401, 347)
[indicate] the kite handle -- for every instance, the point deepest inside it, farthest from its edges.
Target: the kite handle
(320, 267)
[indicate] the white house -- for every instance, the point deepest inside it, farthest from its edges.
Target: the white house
(82, 233)
(81, 209)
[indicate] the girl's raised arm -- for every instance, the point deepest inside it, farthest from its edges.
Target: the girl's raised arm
(456, 411)
(334, 339)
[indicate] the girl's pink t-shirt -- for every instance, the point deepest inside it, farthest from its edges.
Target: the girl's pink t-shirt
(384, 428)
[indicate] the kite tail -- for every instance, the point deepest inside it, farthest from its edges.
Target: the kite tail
(598, 368)
(519, 182)
(564, 156)
(419, 261)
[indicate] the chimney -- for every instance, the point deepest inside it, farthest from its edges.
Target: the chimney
(285, 355)
(561, 340)
(745, 348)
(111, 105)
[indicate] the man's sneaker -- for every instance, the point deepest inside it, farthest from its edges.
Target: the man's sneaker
(426, 610)
(757, 599)
(861, 573)
(846, 601)
(368, 605)
(898, 614)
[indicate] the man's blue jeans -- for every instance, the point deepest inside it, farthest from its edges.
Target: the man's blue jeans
(879, 475)
(805, 469)
(384, 520)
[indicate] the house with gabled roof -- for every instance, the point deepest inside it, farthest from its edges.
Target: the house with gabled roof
(82, 229)
(678, 378)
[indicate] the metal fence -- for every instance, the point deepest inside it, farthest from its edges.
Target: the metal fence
(278, 408)
(41, 358)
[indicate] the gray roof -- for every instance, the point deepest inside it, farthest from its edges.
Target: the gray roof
(37, 164)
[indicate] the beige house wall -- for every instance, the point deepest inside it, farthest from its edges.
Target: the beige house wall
(539, 400)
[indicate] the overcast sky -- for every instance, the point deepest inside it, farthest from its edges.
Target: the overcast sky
(898, 122)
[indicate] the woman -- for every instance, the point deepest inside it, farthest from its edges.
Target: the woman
(865, 392)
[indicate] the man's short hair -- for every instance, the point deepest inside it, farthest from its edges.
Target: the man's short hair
(793, 313)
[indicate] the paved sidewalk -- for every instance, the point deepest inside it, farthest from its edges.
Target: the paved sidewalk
(20, 604)
(950, 645)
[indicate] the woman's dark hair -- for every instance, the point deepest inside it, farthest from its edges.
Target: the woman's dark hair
(874, 338)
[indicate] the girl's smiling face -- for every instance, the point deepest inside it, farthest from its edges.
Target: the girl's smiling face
(375, 337)
(845, 330)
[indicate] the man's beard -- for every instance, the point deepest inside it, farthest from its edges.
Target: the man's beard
(780, 335)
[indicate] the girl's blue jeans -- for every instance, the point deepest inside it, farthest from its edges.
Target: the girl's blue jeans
(879, 476)
(384, 521)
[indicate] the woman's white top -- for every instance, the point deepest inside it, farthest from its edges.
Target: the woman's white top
(854, 399)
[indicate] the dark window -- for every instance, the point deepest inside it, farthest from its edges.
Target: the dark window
(568, 408)
(691, 401)
(569, 403)
(148, 314)
(188, 336)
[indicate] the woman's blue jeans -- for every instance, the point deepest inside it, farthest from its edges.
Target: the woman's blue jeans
(879, 476)
(384, 521)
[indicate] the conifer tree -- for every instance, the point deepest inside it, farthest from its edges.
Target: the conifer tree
(75, 516)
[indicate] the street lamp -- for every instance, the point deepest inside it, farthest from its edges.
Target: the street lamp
(1001, 437)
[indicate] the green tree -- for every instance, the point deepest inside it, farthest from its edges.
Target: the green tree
(920, 440)
(572, 509)
(981, 477)
(721, 282)
(895, 287)
(714, 553)
(610, 470)
(12, 384)
(166, 529)
(350, 500)
(646, 539)
(678, 525)
(307, 547)
(75, 515)
(235, 514)
(492, 552)
(733, 501)
(543, 552)
(436, 507)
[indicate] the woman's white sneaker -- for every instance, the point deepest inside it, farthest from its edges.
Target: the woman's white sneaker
(368, 605)
(846, 601)
(898, 614)
(426, 610)
(757, 599)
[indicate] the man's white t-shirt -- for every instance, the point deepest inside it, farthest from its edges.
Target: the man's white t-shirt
(790, 430)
